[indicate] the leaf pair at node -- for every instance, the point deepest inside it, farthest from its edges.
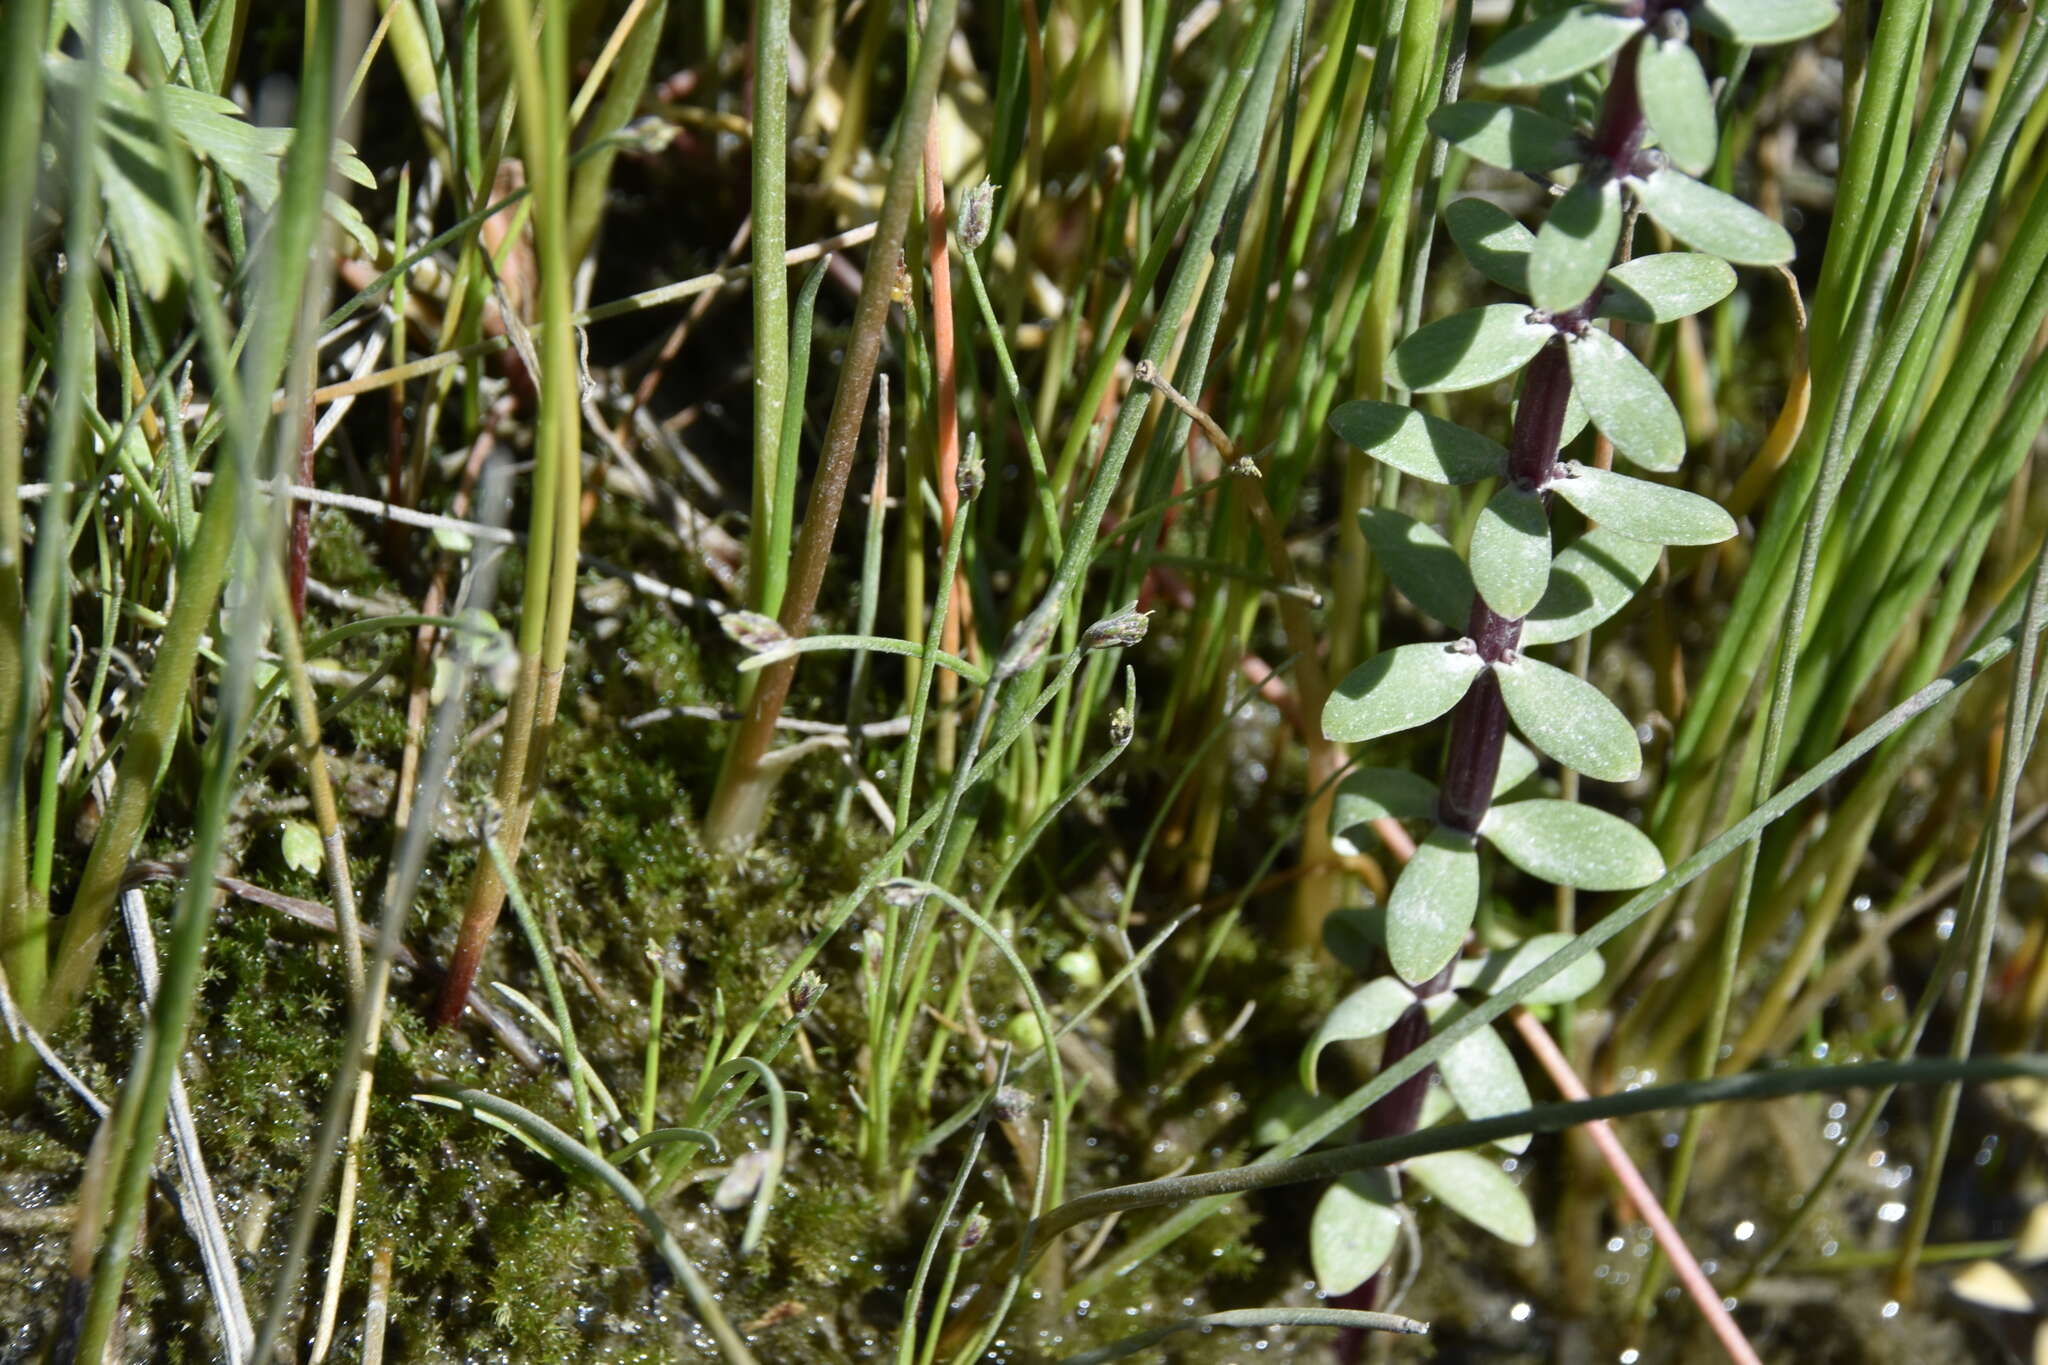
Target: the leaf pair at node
(1436, 897)
(1562, 715)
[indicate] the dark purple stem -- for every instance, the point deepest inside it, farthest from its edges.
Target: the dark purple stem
(1479, 726)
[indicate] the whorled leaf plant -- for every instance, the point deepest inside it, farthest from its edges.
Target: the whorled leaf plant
(1521, 584)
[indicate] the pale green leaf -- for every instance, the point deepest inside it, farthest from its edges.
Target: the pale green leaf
(1761, 23)
(1677, 102)
(1569, 844)
(1707, 220)
(1370, 794)
(1517, 765)
(1399, 689)
(1639, 508)
(1510, 551)
(1495, 972)
(1432, 905)
(300, 842)
(1496, 244)
(1353, 1230)
(1625, 401)
(1576, 244)
(1356, 936)
(1416, 443)
(1569, 719)
(1666, 286)
(1485, 1081)
(1556, 46)
(1366, 1013)
(1421, 564)
(1591, 579)
(1478, 1190)
(1511, 136)
(1468, 349)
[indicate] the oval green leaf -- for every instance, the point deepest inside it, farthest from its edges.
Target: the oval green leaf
(1495, 972)
(1556, 46)
(1378, 794)
(1496, 244)
(1576, 244)
(1569, 719)
(1432, 905)
(1591, 579)
(1479, 1191)
(1510, 551)
(1485, 1081)
(1353, 1230)
(1421, 564)
(1517, 765)
(1625, 401)
(1398, 690)
(1639, 508)
(1569, 844)
(1666, 286)
(1468, 349)
(1760, 23)
(1511, 136)
(1367, 1012)
(1704, 218)
(1677, 102)
(1416, 443)
(1356, 936)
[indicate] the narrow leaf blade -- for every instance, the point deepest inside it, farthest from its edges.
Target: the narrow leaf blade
(1569, 844)
(1555, 46)
(1677, 103)
(1641, 509)
(1468, 349)
(1479, 1191)
(1398, 690)
(1416, 443)
(1511, 136)
(1576, 244)
(1591, 579)
(1432, 905)
(1496, 244)
(1421, 564)
(1707, 220)
(1625, 401)
(1367, 1012)
(1569, 719)
(1666, 286)
(1510, 551)
(1353, 1231)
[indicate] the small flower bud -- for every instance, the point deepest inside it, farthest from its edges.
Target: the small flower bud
(1109, 167)
(902, 892)
(805, 992)
(752, 631)
(1028, 642)
(977, 211)
(1012, 1104)
(1120, 631)
(974, 1230)
(970, 476)
(1120, 727)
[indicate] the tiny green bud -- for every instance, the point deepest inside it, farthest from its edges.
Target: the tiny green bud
(1080, 966)
(974, 1230)
(977, 211)
(1011, 1103)
(1120, 727)
(753, 631)
(805, 992)
(1023, 1030)
(1120, 631)
(970, 476)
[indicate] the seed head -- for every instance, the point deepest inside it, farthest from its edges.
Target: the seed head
(752, 631)
(1120, 631)
(977, 210)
